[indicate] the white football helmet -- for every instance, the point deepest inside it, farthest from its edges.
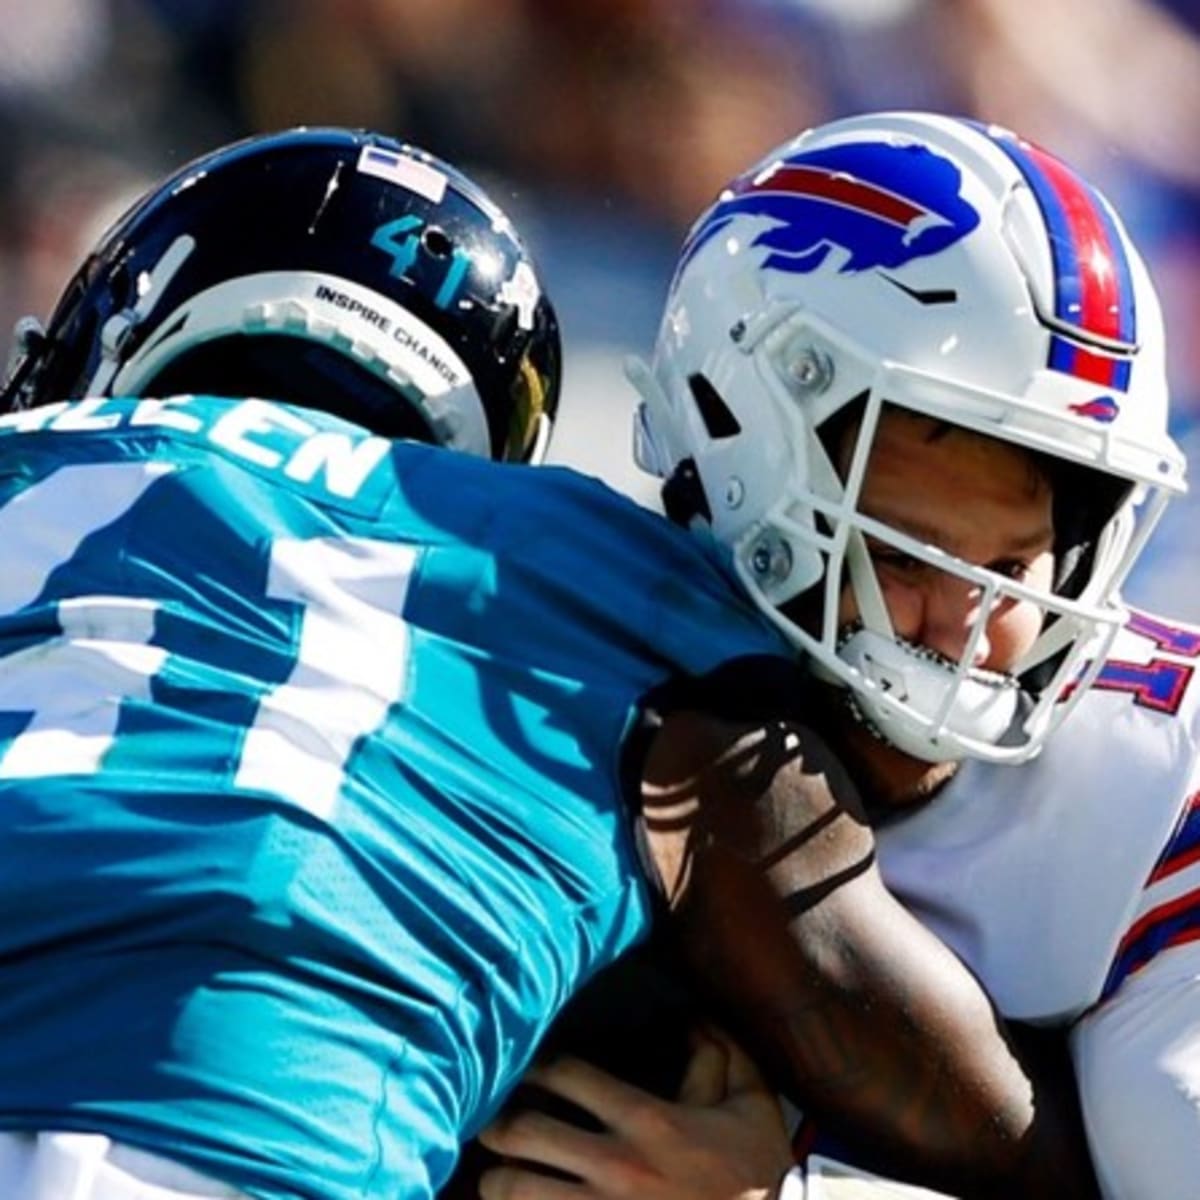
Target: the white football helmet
(956, 271)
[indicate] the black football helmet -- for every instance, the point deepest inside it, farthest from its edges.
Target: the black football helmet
(332, 268)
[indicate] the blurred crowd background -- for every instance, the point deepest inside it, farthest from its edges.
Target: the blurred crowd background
(604, 126)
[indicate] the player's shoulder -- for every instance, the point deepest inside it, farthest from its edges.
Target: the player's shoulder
(298, 449)
(591, 551)
(524, 506)
(1158, 632)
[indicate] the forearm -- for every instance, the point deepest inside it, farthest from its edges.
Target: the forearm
(918, 1079)
(862, 1015)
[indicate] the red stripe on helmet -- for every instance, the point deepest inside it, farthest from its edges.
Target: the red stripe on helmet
(839, 189)
(1099, 277)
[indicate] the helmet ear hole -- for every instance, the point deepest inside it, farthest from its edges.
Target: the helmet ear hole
(717, 416)
(435, 242)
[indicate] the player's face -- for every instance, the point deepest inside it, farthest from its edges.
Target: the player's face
(981, 500)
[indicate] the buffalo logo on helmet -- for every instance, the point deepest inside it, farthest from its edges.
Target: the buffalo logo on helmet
(1103, 409)
(882, 205)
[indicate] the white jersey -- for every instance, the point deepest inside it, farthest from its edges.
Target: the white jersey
(1071, 886)
(1046, 877)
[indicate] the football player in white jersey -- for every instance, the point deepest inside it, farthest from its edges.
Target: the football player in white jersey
(911, 373)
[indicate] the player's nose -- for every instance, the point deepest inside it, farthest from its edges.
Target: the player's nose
(952, 611)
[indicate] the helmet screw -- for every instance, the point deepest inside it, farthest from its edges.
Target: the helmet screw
(738, 331)
(735, 492)
(771, 559)
(810, 372)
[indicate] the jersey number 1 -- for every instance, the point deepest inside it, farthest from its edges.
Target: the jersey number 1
(350, 667)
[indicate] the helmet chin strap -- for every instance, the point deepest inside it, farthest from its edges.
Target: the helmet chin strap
(115, 334)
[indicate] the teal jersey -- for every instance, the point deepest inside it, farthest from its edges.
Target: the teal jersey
(311, 792)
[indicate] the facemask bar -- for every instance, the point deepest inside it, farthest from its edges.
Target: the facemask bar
(29, 338)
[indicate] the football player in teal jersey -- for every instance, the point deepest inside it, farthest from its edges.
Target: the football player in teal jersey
(332, 763)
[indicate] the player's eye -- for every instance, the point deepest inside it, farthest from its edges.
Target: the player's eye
(1016, 569)
(893, 561)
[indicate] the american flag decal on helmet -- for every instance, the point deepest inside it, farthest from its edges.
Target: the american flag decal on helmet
(1093, 285)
